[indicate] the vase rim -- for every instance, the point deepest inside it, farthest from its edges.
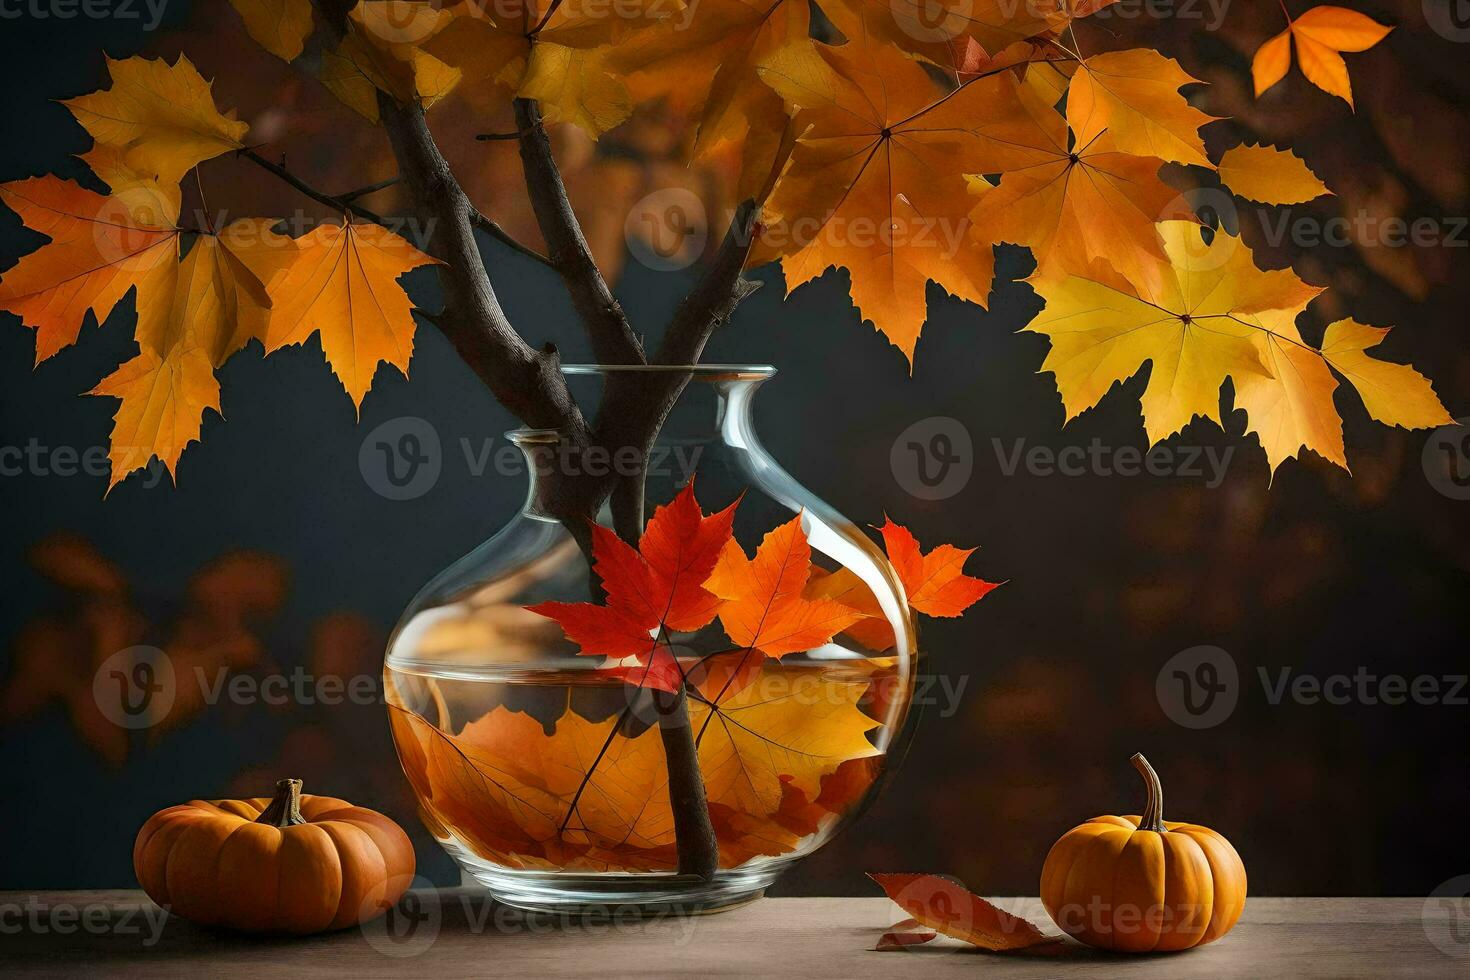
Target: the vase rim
(704, 372)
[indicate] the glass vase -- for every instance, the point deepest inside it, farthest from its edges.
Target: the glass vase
(565, 781)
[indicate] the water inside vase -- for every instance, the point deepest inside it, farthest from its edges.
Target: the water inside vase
(561, 770)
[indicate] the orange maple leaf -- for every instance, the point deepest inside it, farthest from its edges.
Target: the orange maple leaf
(1083, 202)
(935, 584)
(765, 610)
(344, 284)
(876, 184)
(100, 248)
(654, 589)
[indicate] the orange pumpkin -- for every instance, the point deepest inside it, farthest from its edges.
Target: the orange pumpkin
(1137, 884)
(292, 864)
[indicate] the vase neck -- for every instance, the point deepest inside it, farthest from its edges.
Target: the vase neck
(710, 416)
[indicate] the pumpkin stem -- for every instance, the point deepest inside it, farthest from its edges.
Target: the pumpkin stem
(1153, 810)
(285, 809)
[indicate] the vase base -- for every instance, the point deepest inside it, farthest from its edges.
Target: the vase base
(619, 896)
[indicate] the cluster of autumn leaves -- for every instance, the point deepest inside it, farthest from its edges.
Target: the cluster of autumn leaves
(236, 284)
(784, 750)
(876, 138)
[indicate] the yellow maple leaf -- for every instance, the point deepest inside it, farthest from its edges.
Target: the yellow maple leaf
(217, 302)
(550, 51)
(382, 52)
(1394, 394)
(162, 116)
(1196, 328)
(1134, 95)
(1290, 408)
(1081, 203)
(1269, 175)
(711, 63)
(110, 164)
(279, 26)
(574, 85)
(793, 728)
(343, 283)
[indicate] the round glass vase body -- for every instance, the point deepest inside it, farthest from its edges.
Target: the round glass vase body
(562, 780)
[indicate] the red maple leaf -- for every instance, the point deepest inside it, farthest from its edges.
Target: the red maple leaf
(652, 590)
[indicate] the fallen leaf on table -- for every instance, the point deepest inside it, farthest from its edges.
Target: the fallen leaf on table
(946, 906)
(903, 935)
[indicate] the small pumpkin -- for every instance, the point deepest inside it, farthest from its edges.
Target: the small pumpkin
(292, 864)
(1137, 884)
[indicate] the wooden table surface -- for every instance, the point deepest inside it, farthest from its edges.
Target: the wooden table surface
(461, 933)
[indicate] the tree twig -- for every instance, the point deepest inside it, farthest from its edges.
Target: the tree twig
(613, 340)
(526, 381)
(381, 185)
(493, 229)
(342, 204)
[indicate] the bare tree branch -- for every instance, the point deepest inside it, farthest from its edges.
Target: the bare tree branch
(491, 228)
(526, 381)
(708, 306)
(712, 302)
(343, 203)
(613, 340)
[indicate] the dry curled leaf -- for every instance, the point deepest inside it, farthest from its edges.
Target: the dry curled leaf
(946, 906)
